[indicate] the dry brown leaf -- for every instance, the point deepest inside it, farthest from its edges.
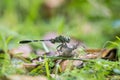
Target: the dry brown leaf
(110, 54)
(29, 65)
(25, 77)
(90, 56)
(64, 64)
(70, 64)
(23, 50)
(54, 3)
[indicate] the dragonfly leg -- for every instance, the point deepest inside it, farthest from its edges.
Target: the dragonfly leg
(59, 47)
(65, 45)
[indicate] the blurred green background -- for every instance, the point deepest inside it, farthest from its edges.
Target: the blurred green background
(92, 21)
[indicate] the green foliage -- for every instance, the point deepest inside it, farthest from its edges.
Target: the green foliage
(91, 21)
(6, 66)
(116, 44)
(6, 58)
(95, 70)
(38, 70)
(25, 19)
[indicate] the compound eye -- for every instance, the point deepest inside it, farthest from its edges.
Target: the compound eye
(68, 39)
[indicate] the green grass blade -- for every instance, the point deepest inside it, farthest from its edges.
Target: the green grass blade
(47, 67)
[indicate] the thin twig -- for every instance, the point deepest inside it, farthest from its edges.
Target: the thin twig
(65, 58)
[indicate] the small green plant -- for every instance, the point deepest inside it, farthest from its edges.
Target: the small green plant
(6, 60)
(96, 70)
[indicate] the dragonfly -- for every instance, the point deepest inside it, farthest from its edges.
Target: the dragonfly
(59, 39)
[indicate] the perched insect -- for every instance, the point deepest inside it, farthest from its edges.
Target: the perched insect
(60, 39)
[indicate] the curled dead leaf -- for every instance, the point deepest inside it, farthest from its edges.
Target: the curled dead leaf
(110, 54)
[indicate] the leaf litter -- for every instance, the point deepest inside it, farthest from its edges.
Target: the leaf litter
(74, 55)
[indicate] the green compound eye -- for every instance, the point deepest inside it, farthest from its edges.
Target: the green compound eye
(68, 40)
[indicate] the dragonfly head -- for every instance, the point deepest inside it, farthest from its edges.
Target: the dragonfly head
(68, 39)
